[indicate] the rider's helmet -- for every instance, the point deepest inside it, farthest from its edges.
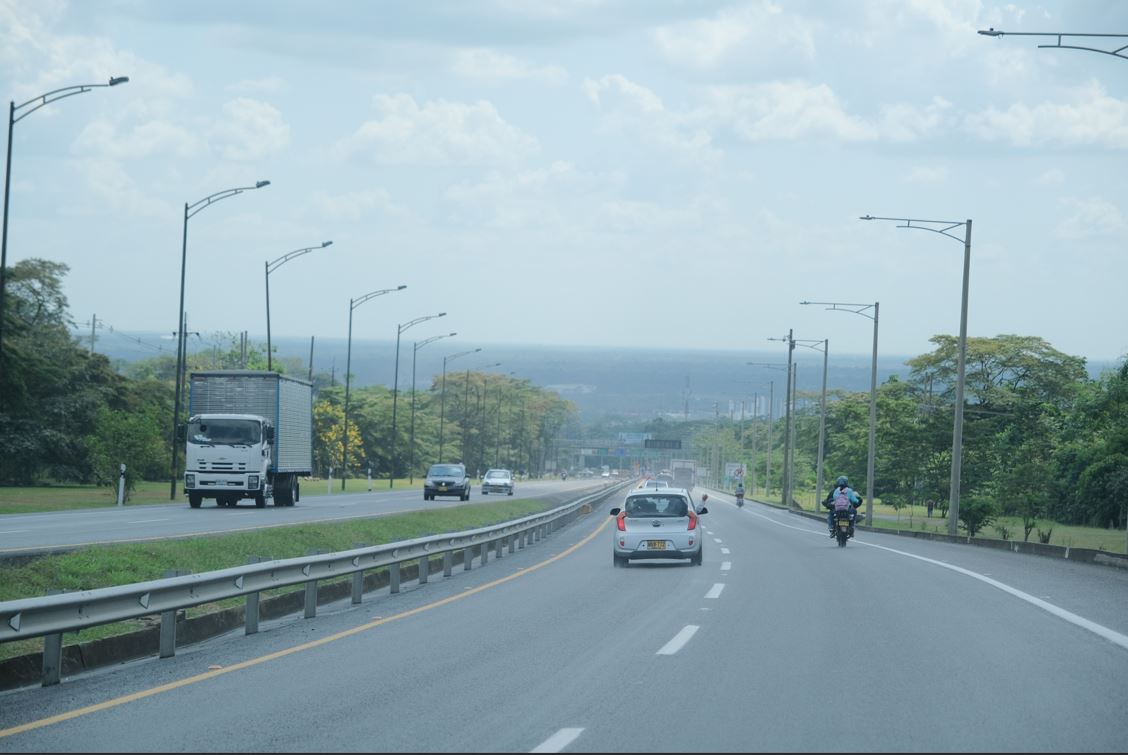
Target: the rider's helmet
(704, 497)
(842, 480)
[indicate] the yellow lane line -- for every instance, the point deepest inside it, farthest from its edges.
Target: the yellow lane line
(296, 649)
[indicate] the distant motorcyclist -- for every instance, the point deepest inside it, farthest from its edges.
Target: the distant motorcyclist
(841, 494)
(740, 494)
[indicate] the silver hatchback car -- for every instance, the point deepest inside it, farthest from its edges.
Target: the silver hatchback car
(657, 523)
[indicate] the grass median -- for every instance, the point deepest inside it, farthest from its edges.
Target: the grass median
(109, 565)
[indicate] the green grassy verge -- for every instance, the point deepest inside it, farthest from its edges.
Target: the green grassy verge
(887, 517)
(109, 565)
(34, 500)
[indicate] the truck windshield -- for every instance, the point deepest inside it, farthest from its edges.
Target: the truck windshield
(225, 432)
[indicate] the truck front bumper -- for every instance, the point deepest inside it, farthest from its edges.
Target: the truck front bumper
(207, 483)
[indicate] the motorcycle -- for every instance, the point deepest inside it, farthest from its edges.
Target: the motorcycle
(740, 500)
(843, 525)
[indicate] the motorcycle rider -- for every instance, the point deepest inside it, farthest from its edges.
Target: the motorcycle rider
(739, 493)
(842, 488)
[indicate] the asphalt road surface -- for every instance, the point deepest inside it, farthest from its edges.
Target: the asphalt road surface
(781, 641)
(35, 533)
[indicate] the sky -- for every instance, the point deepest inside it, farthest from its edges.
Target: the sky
(654, 173)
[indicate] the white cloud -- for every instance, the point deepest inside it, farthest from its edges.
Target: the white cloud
(488, 65)
(1092, 118)
(268, 84)
(250, 130)
(439, 132)
(355, 205)
(761, 29)
(1090, 218)
(637, 109)
(108, 181)
(928, 174)
(787, 110)
(153, 137)
(1051, 176)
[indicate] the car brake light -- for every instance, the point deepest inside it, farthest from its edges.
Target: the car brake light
(692, 520)
(621, 522)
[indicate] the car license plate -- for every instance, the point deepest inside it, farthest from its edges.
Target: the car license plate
(843, 524)
(656, 545)
(442, 487)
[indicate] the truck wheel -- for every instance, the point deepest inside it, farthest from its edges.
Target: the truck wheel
(195, 499)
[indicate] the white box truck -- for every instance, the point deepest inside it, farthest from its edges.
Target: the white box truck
(249, 435)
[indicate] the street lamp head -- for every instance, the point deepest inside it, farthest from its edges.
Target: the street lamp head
(115, 80)
(452, 334)
(401, 287)
(441, 314)
(866, 217)
(804, 302)
(326, 243)
(991, 32)
(260, 184)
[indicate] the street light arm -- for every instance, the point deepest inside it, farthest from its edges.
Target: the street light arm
(418, 320)
(354, 303)
(432, 339)
(452, 357)
(860, 309)
(272, 266)
(992, 32)
(194, 208)
(58, 94)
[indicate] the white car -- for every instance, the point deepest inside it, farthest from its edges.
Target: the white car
(497, 481)
(657, 523)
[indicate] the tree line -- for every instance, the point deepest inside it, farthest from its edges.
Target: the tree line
(67, 414)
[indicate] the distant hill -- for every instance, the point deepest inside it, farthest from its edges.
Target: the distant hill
(600, 381)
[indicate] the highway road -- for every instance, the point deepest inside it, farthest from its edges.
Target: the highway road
(35, 533)
(781, 641)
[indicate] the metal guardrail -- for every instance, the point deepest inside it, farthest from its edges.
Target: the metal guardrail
(52, 615)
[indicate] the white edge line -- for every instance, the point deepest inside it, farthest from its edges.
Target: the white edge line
(679, 641)
(1101, 631)
(558, 741)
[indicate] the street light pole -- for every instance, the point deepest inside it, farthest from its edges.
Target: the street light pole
(270, 268)
(395, 389)
(811, 344)
(415, 350)
(442, 399)
(943, 228)
(353, 304)
(786, 491)
(189, 211)
(1117, 53)
(771, 420)
(860, 309)
(13, 119)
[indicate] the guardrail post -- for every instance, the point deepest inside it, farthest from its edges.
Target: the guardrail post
(52, 654)
(168, 622)
(448, 563)
(485, 552)
(424, 569)
(358, 580)
(251, 612)
(512, 543)
(394, 577)
(499, 547)
(310, 600)
(467, 557)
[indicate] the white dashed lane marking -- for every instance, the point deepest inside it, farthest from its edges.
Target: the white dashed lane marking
(558, 741)
(679, 641)
(715, 590)
(726, 565)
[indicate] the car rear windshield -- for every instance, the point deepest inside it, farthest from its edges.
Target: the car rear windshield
(657, 505)
(493, 475)
(446, 470)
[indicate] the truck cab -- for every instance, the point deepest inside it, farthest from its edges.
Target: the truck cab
(228, 457)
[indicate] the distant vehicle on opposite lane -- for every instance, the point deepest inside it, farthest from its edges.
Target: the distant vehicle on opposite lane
(448, 480)
(497, 481)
